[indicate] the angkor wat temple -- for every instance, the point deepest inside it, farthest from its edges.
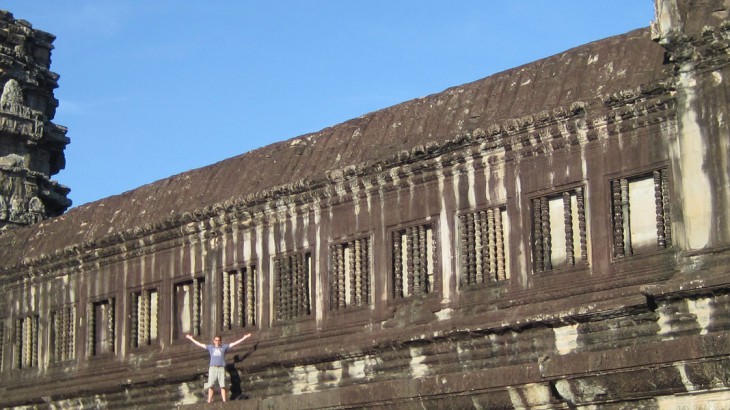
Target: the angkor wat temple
(553, 236)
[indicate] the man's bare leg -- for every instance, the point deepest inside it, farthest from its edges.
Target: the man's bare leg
(210, 395)
(223, 393)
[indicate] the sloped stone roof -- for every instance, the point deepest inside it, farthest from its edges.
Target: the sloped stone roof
(586, 74)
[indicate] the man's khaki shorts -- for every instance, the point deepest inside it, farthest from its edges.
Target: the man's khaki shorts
(216, 374)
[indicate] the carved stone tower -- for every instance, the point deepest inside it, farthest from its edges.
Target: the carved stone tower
(31, 146)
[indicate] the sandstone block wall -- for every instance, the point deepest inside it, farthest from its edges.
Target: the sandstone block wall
(572, 255)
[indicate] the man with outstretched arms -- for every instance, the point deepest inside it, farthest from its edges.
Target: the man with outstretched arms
(217, 370)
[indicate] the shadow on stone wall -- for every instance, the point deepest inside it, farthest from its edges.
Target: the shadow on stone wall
(234, 373)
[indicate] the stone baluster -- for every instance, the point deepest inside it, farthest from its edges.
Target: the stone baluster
(539, 266)
(239, 298)
(626, 216)
(302, 284)
(423, 251)
(297, 286)
(110, 322)
(251, 296)
(226, 300)
(433, 248)
(334, 272)
(291, 288)
(145, 324)
(366, 271)
(134, 319)
(26, 342)
(618, 220)
(410, 262)
(659, 203)
(464, 246)
(501, 265)
(418, 261)
(582, 226)
(286, 288)
(546, 237)
(19, 343)
(293, 275)
(58, 337)
(296, 310)
(481, 274)
(479, 245)
(568, 215)
(298, 266)
(666, 208)
(278, 290)
(294, 287)
(492, 244)
(71, 339)
(34, 341)
(342, 276)
(62, 334)
(196, 307)
(397, 265)
(91, 331)
(23, 344)
(352, 276)
(357, 245)
(303, 279)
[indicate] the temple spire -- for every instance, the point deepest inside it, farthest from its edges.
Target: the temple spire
(31, 146)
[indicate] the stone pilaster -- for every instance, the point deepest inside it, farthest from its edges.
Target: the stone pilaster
(696, 35)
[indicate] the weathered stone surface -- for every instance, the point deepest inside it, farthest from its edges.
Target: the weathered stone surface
(553, 236)
(31, 146)
(426, 127)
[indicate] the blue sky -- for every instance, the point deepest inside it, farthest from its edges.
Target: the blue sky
(150, 89)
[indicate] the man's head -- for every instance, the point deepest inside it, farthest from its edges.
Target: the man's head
(217, 341)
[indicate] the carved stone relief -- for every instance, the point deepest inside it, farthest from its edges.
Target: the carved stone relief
(12, 93)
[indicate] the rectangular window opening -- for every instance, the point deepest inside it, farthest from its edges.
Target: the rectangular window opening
(63, 334)
(238, 294)
(640, 214)
(26, 342)
(188, 300)
(292, 284)
(559, 235)
(349, 274)
(101, 327)
(144, 317)
(483, 247)
(413, 261)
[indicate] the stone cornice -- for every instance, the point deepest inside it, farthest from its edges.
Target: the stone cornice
(707, 51)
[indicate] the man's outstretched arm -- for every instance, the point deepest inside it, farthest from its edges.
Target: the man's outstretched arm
(195, 341)
(246, 336)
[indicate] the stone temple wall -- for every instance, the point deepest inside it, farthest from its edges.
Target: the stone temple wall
(553, 236)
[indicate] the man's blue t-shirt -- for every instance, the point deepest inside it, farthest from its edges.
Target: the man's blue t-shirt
(217, 354)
